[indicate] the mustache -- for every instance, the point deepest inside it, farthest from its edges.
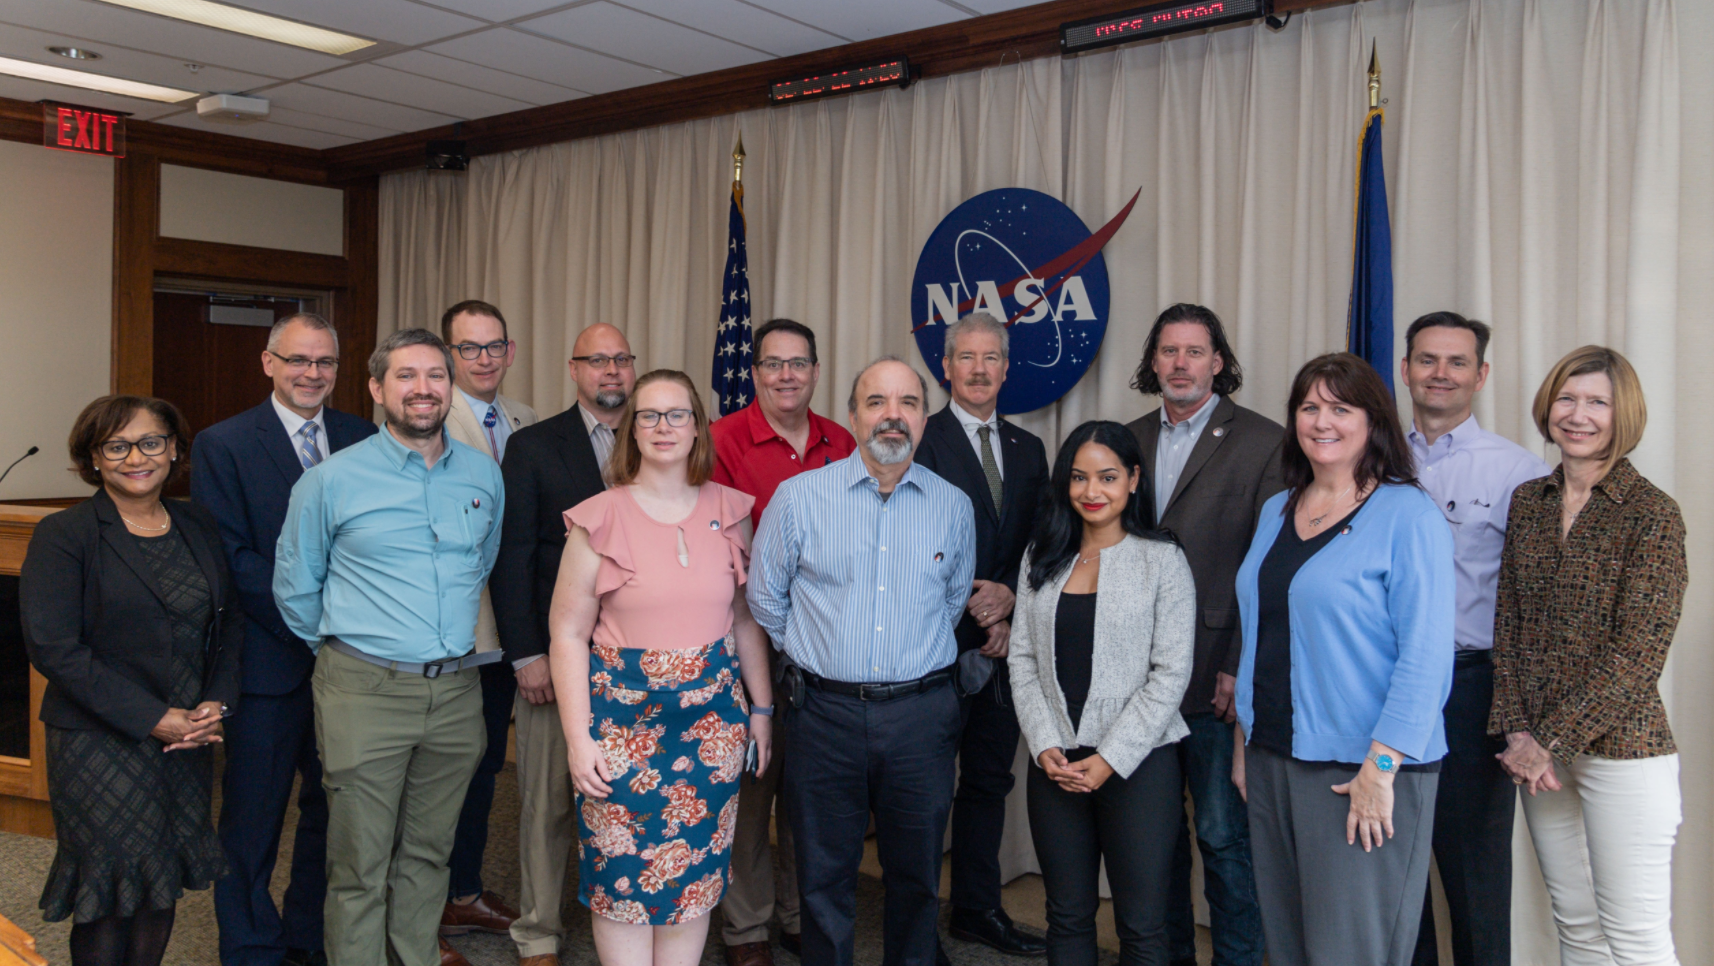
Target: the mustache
(978, 381)
(890, 426)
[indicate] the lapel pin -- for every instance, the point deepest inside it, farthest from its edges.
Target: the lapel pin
(1219, 431)
(476, 503)
(938, 557)
(1345, 531)
(714, 524)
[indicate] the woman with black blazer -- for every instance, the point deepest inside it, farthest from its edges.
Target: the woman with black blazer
(1103, 636)
(130, 614)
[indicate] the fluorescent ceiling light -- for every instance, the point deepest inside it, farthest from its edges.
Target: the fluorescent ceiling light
(241, 21)
(94, 82)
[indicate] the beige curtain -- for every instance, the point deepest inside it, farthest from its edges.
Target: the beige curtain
(1549, 171)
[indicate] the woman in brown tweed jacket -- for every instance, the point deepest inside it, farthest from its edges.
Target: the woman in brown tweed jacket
(1591, 584)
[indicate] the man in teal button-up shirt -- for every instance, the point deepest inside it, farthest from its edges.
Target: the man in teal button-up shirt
(380, 565)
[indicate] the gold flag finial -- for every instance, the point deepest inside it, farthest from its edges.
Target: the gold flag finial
(738, 160)
(1374, 77)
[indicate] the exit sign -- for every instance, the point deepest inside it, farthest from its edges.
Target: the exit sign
(83, 129)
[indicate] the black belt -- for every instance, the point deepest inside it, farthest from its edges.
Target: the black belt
(1472, 658)
(878, 692)
(428, 669)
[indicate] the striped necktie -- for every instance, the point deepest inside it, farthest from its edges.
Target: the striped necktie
(990, 468)
(309, 454)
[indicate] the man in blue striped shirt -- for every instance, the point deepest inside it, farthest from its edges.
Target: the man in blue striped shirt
(859, 574)
(380, 566)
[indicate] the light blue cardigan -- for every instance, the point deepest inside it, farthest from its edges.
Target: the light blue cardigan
(1371, 631)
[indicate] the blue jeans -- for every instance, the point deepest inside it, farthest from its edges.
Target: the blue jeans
(1223, 836)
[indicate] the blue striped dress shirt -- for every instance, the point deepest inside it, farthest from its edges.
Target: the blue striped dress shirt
(862, 589)
(387, 554)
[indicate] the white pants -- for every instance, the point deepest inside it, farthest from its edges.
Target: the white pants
(1605, 847)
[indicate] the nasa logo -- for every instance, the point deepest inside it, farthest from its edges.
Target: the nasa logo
(1030, 261)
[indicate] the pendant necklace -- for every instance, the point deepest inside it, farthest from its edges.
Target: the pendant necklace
(1315, 522)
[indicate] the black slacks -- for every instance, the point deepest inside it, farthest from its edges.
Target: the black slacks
(1473, 812)
(850, 757)
(986, 750)
(1132, 823)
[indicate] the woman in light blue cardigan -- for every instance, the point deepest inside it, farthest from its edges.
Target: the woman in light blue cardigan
(1346, 602)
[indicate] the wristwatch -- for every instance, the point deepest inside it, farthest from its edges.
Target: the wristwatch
(1383, 763)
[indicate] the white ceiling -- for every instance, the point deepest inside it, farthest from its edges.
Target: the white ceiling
(436, 62)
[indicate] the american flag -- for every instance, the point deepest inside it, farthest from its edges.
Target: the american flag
(731, 380)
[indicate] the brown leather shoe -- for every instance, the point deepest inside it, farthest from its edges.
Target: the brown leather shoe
(451, 957)
(486, 914)
(540, 959)
(750, 954)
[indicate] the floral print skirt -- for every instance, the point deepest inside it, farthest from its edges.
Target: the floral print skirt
(673, 725)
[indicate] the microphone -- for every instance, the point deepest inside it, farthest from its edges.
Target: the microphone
(31, 452)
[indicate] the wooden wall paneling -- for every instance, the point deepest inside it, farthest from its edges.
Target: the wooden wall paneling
(243, 263)
(136, 219)
(356, 305)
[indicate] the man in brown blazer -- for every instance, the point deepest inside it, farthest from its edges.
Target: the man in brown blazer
(1213, 464)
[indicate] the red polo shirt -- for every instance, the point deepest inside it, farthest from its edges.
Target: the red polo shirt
(749, 456)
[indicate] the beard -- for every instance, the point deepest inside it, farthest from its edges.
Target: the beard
(610, 399)
(1189, 397)
(888, 452)
(417, 425)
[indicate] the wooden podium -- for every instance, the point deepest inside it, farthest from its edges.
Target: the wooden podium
(24, 781)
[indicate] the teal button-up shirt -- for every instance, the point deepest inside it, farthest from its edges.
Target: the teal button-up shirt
(388, 554)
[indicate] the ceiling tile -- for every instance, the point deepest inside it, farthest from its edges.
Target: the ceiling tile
(527, 89)
(868, 19)
(743, 23)
(398, 87)
(500, 11)
(639, 37)
(103, 26)
(350, 107)
(263, 131)
(31, 45)
(400, 21)
(996, 6)
(547, 60)
(21, 89)
(327, 125)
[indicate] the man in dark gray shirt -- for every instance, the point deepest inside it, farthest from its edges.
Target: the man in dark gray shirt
(1213, 463)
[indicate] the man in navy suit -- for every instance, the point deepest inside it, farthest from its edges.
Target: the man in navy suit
(243, 474)
(1002, 469)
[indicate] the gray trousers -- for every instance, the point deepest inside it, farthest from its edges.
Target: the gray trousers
(1326, 903)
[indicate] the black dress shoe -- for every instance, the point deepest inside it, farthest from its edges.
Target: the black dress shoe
(792, 942)
(940, 956)
(993, 928)
(306, 957)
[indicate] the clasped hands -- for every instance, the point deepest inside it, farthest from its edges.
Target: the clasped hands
(180, 729)
(1529, 764)
(1075, 776)
(990, 605)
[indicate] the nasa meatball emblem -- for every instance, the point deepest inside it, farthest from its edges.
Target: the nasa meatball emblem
(1026, 258)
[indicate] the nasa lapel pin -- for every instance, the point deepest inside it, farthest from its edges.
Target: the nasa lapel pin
(476, 504)
(1219, 431)
(714, 524)
(938, 556)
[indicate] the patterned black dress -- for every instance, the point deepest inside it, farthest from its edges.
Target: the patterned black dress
(133, 823)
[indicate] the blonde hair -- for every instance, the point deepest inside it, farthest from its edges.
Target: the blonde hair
(628, 457)
(1630, 410)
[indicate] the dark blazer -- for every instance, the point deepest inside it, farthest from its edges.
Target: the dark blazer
(243, 475)
(97, 627)
(549, 468)
(1233, 469)
(1000, 536)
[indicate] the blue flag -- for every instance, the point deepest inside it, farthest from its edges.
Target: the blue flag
(1369, 323)
(731, 379)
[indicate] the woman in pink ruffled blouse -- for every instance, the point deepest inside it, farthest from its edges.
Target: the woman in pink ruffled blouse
(653, 650)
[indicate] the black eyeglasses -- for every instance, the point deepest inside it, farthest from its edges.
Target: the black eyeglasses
(676, 418)
(771, 365)
(302, 363)
(621, 360)
(470, 350)
(118, 450)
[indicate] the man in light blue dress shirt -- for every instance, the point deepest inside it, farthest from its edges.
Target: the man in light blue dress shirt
(380, 567)
(1471, 474)
(859, 574)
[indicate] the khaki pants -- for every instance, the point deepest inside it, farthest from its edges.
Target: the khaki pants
(547, 827)
(397, 752)
(754, 893)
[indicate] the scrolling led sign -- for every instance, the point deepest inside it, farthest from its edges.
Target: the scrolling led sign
(889, 73)
(1155, 21)
(84, 130)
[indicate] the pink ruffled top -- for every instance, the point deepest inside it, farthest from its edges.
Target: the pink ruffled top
(649, 597)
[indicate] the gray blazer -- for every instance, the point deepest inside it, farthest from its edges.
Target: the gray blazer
(1145, 641)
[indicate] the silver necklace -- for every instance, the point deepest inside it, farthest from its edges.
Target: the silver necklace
(1315, 522)
(148, 529)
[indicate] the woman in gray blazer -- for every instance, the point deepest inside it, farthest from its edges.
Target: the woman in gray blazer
(1103, 636)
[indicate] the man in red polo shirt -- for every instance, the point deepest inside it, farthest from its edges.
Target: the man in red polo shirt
(755, 450)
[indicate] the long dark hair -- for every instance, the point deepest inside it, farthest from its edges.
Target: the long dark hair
(1227, 381)
(1386, 456)
(1059, 530)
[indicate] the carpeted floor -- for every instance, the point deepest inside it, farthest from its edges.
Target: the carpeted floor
(24, 863)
